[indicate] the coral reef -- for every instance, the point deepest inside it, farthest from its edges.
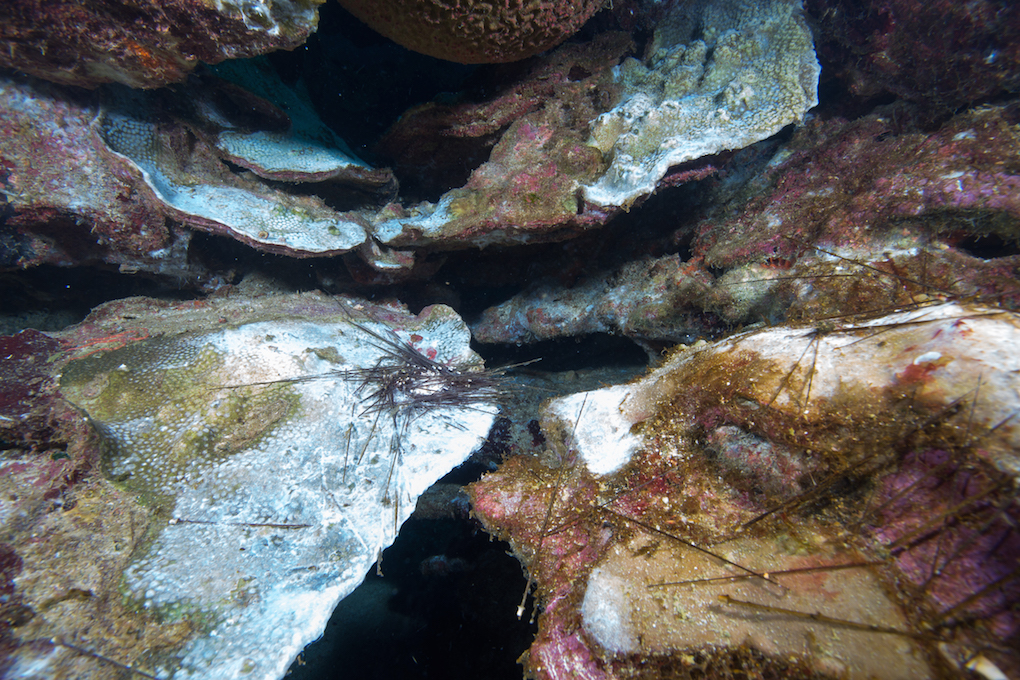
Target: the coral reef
(816, 477)
(144, 43)
(553, 171)
(250, 211)
(256, 459)
(533, 139)
(799, 500)
(285, 140)
(717, 76)
(840, 203)
(117, 166)
(67, 204)
(475, 32)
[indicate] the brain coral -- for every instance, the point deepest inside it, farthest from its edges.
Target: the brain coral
(473, 31)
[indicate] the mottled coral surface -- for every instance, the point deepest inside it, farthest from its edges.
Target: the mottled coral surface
(803, 500)
(475, 32)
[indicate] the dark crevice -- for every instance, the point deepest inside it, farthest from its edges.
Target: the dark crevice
(49, 298)
(598, 350)
(988, 246)
(445, 608)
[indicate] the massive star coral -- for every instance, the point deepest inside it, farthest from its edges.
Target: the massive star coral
(475, 32)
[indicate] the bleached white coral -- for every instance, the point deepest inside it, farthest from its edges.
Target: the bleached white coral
(283, 476)
(720, 75)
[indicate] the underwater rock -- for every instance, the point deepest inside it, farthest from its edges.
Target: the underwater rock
(646, 300)
(824, 501)
(111, 176)
(23, 371)
(144, 43)
(67, 204)
(475, 32)
(849, 183)
(257, 456)
(547, 149)
(718, 75)
(182, 167)
(904, 47)
(581, 145)
(846, 217)
(531, 139)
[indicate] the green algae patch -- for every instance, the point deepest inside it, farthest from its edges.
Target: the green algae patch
(168, 410)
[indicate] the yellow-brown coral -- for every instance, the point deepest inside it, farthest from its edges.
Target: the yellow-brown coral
(473, 31)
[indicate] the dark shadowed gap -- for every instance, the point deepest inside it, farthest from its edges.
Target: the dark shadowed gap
(444, 608)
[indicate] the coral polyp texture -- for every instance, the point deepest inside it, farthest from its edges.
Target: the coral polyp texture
(248, 212)
(475, 32)
(832, 501)
(144, 43)
(717, 76)
(113, 177)
(256, 458)
(67, 204)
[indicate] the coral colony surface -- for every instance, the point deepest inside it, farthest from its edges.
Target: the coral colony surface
(231, 504)
(709, 305)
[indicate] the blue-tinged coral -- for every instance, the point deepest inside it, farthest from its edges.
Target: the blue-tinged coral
(555, 150)
(305, 150)
(198, 190)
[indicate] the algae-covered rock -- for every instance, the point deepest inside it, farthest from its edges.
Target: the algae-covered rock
(265, 464)
(829, 501)
(144, 43)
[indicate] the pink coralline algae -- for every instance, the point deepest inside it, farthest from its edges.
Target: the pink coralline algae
(529, 188)
(24, 375)
(69, 203)
(562, 142)
(110, 177)
(839, 183)
(788, 502)
(942, 54)
(801, 238)
(143, 43)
